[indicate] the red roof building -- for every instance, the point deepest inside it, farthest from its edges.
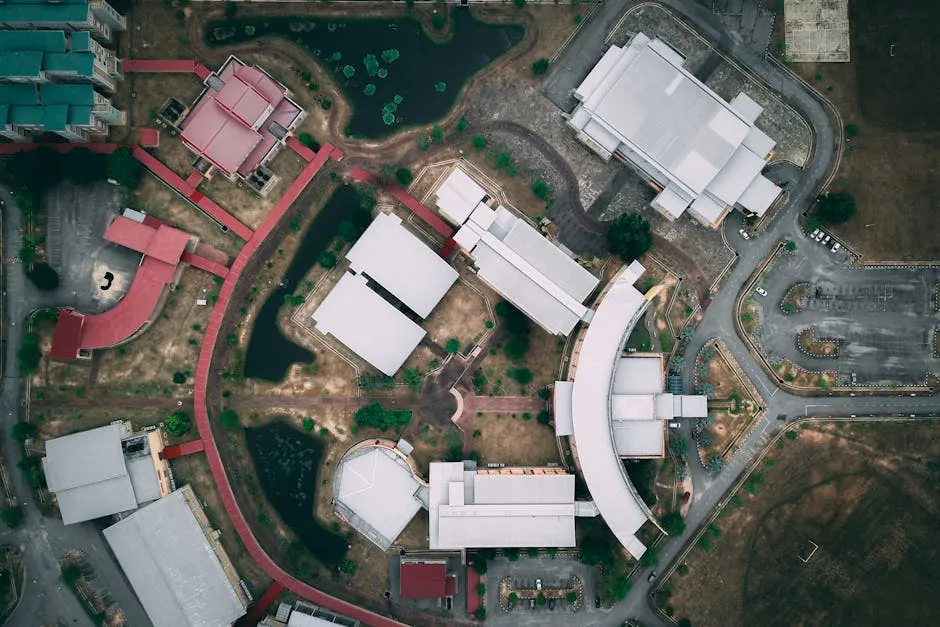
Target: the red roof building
(426, 580)
(241, 119)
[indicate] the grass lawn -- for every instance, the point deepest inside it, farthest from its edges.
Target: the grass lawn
(860, 492)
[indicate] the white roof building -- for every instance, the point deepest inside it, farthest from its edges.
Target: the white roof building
(517, 261)
(706, 155)
(92, 475)
(397, 260)
(367, 324)
(615, 407)
(504, 507)
(376, 491)
(174, 566)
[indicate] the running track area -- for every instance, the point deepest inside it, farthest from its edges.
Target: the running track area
(204, 371)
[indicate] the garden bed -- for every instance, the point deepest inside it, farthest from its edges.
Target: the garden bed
(795, 299)
(814, 347)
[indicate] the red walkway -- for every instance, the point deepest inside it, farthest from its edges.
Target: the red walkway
(175, 181)
(103, 148)
(399, 194)
(203, 372)
(165, 65)
(204, 264)
(295, 145)
(257, 610)
(186, 448)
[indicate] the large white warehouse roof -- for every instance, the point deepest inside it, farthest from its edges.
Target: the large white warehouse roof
(367, 324)
(401, 263)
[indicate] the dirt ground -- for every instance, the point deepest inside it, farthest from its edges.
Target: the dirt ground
(797, 377)
(462, 314)
(54, 422)
(542, 359)
(733, 407)
(863, 501)
(889, 165)
(194, 470)
(513, 440)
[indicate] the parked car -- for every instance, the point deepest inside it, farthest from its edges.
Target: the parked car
(551, 604)
(825, 242)
(597, 601)
(814, 233)
(674, 425)
(538, 584)
(744, 234)
(836, 246)
(821, 235)
(761, 291)
(652, 577)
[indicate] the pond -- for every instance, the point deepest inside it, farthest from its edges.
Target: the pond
(391, 72)
(287, 462)
(271, 354)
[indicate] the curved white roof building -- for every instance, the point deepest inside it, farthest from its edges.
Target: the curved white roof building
(593, 369)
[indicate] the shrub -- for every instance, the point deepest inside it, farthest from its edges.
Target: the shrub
(517, 347)
(679, 446)
(308, 424)
(404, 176)
(544, 417)
(650, 558)
(513, 597)
(179, 378)
(571, 597)
(228, 418)
(462, 125)
(437, 134)
(792, 435)
(327, 259)
(516, 322)
(481, 589)
(790, 245)
(413, 378)
(374, 415)
(452, 347)
(540, 189)
(629, 236)
(852, 130)
(307, 140)
(29, 354)
(178, 423)
(715, 464)
(512, 554)
(22, 431)
(540, 66)
(325, 104)
(479, 142)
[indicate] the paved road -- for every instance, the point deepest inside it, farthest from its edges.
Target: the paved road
(44, 540)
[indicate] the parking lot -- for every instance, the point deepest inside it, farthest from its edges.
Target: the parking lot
(883, 318)
(77, 219)
(553, 573)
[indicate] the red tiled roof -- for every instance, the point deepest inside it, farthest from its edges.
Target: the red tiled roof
(473, 599)
(149, 137)
(243, 101)
(450, 586)
(168, 244)
(423, 581)
(130, 234)
(67, 336)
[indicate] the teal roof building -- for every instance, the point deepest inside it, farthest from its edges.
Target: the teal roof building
(95, 16)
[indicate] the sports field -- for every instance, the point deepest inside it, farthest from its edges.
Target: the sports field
(837, 526)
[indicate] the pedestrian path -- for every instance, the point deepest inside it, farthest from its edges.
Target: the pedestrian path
(165, 65)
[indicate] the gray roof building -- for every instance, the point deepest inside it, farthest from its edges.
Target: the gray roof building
(100, 472)
(705, 154)
(181, 576)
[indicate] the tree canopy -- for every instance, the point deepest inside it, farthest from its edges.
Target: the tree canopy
(673, 523)
(629, 236)
(124, 168)
(177, 423)
(43, 276)
(374, 415)
(836, 207)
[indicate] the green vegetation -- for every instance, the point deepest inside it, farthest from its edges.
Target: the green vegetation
(29, 354)
(629, 236)
(178, 423)
(852, 130)
(571, 597)
(374, 415)
(413, 378)
(12, 516)
(601, 549)
(479, 142)
(462, 125)
(307, 140)
(836, 207)
(23, 431)
(308, 424)
(327, 259)
(540, 189)
(452, 347)
(540, 66)
(438, 21)
(440, 87)
(228, 418)
(673, 523)
(790, 245)
(124, 168)
(404, 176)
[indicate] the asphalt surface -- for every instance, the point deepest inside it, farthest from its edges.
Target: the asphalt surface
(44, 540)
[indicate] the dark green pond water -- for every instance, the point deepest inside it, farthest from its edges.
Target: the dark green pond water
(271, 354)
(391, 72)
(287, 462)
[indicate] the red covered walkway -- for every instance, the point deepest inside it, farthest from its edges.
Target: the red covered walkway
(204, 264)
(399, 194)
(175, 181)
(186, 448)
(203, 372)
(306, 153)
(165, 65)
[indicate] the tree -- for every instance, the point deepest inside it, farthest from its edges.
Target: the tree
(71, 573)
(481, 589)
(705, 439)
(512, 554)
(650, 558)
(12, 516)
(43, 276)
(684, 622)
(503, 160)
(540, 66)
(520, 3)
(629, 236)
(82, 166)
(516, 322)
(522, 376)
(177, 423)
(23, 431)
(452, 347)
(327, 259)
(308, 424)
(479, 142)
(686, 333)
(836, 207)
(677, 363)
(437, 134)
(852, 130)
(715, 464)
(480, 614)
(124, 168)
(513, 597)
(540, 189)
(673, 523)
(228, 418)
(404, 176)
(374, 415)
(540, 599)
(708, 353)
(571, 597)
(790, 245)
(348, 567)
(544, 417)
(480, 565)
(438, 21)
(517, 347)
(179, 378)
(413, 378)
(679, 446)
(462, 125)
(706, 389)
(307, 140)
(29, 354)
(594, 550)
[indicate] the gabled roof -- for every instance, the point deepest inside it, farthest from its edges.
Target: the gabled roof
(423, 580)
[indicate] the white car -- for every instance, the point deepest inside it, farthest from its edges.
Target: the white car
(825, 242)
(821, 235)
(538, 584)
(744, 234)
(836, 246)
(814, 233)
(761, 291)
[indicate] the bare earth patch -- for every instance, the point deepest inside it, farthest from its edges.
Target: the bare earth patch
(514, 441)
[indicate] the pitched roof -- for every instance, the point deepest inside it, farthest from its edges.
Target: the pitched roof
(423, 580)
